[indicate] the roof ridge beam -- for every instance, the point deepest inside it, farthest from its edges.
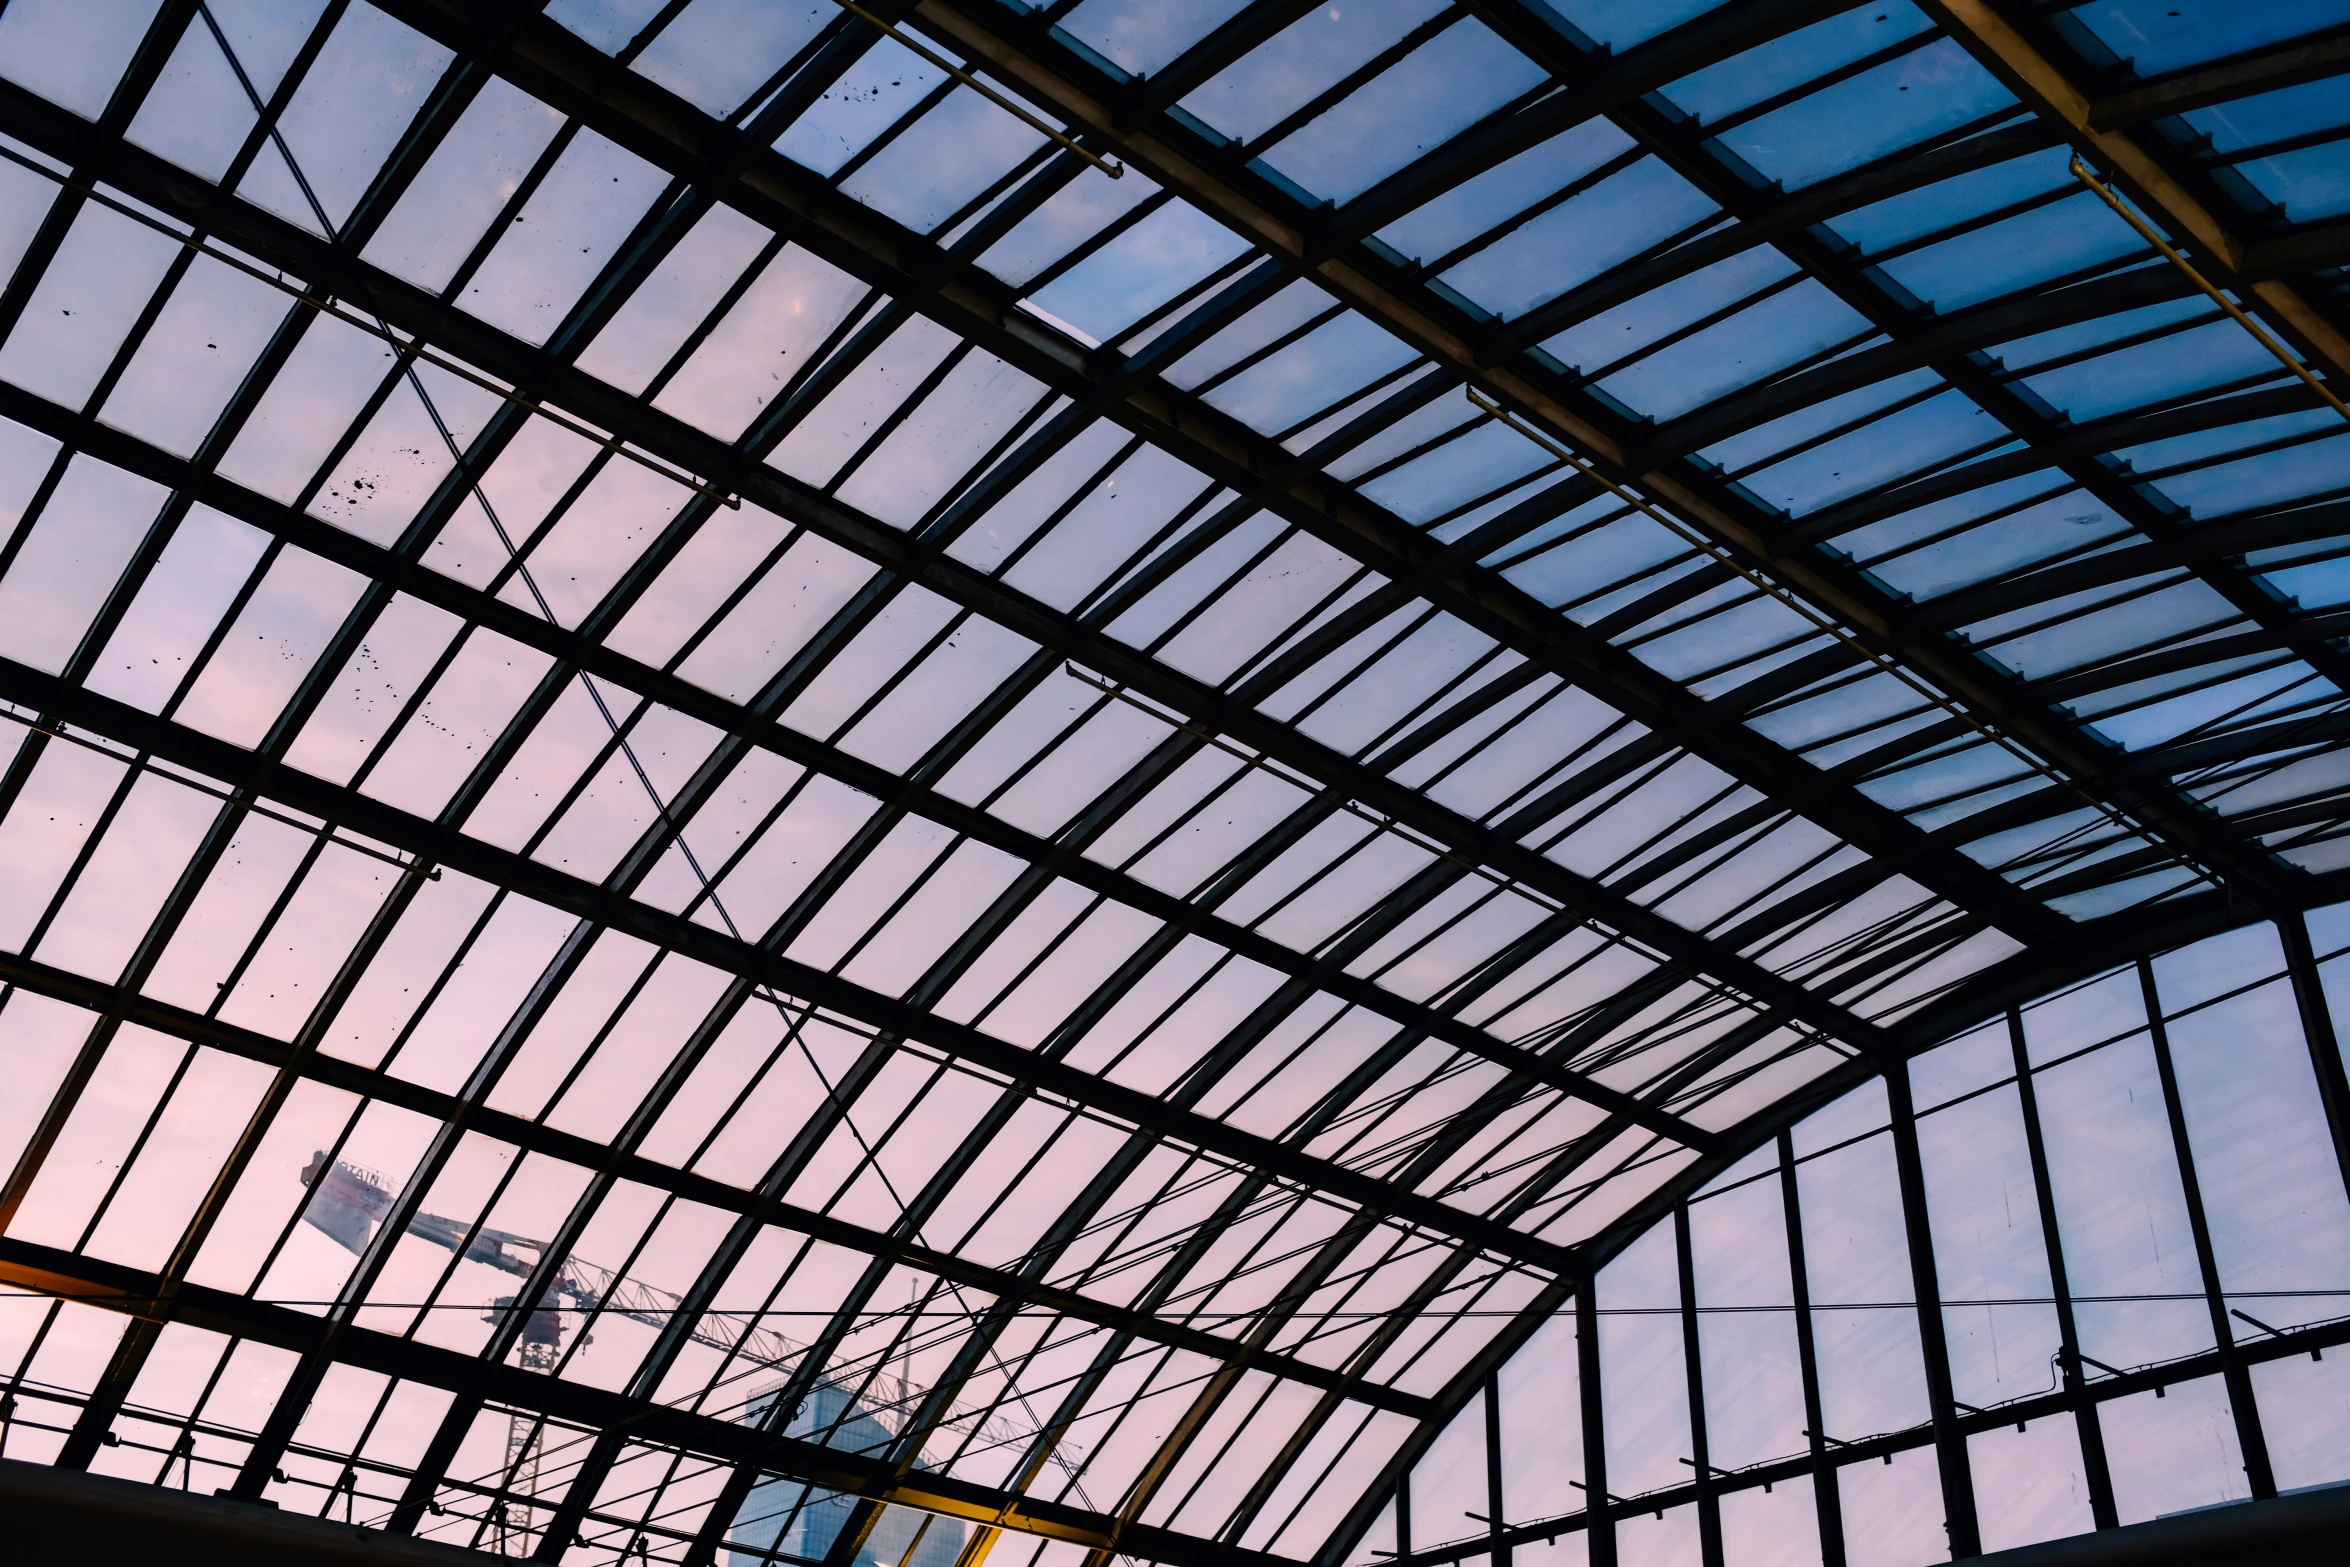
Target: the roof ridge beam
(2040, 83)
(2214, 538)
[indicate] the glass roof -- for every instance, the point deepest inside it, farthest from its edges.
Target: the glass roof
(792, 775)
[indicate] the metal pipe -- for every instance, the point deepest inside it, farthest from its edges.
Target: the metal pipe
(2147, 231)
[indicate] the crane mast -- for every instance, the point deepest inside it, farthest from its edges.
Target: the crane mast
(347, 1202)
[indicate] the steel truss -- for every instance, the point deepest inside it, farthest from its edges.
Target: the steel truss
(712, 162)
(2086, 1386)
(139, 1295)
(1261, 210)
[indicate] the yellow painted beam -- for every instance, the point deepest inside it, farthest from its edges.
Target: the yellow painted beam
(2048, 91)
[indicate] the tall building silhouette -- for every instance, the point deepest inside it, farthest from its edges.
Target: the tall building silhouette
(783, 1520)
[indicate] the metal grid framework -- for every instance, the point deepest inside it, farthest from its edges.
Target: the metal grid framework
(2128, 1209)
(1117, 728)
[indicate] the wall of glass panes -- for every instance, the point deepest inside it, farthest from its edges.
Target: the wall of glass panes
(2132, 1203)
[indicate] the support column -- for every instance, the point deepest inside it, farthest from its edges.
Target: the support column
(1825, 1499)
(2074, 1377)
(1601, 1525)
(1709, 1508)
(2249, 1438)
(1495, 1514)
(1950, 1454)
(2317, 1026)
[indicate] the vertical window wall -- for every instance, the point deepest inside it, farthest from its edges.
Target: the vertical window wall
(2126, 1211)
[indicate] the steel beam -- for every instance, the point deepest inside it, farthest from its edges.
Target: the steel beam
(435, 843)
(2089, 438)
(1827, 1505)
(1776, 218)
(1950, 1445)
(135, 1294)
(2305, 59)
(1607, 82)
(2311, 249)
(2325, 1044)
(1960, 332)
(2005, 51)
(59, 1515)
(1657, 701)
(2330, 728)
(371, 1084)
(2095, 1471)
(2222, 538)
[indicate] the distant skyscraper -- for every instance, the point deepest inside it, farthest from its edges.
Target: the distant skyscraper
(782, 1517)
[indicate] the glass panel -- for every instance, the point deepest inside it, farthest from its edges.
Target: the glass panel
(2305, 1419)
(1864, 1320)
(1771, 1526)
(1667, 1539)
(1746, 1325)
(2119, 1207)
(1988, 1248)
(1643, 1367)
(2173, 1452)
(1542, 1425)
(1892, 1511)
(2264, 1160)
(2028, 1484)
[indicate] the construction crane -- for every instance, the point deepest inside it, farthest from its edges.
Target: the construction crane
(347, 1202)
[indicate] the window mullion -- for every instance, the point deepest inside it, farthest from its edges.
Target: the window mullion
(2075, 1377)
(2250, 1442)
